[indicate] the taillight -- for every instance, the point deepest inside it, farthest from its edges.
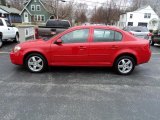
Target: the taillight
(149, 34)
(36, 33)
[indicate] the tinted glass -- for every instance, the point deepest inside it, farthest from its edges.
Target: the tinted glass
(58, 23)
(8, 24)
(1, 23)
(118, 36)
(77, 36)
(139, 29)
(103, 35)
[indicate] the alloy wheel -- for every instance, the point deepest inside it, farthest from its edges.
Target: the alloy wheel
(125, 66)
(35, 63)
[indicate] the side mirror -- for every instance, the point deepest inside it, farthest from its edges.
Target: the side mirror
(58, 42)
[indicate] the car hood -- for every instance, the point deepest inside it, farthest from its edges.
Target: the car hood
(33, 43)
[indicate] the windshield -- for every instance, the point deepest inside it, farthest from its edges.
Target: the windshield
(49, 37)
(139, 29)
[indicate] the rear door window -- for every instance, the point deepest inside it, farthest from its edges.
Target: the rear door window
(1, 23)
(101, 35)
(118, 36)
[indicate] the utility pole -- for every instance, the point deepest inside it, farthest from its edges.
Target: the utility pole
(57, 6)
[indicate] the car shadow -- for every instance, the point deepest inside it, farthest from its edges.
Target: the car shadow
(79, 75)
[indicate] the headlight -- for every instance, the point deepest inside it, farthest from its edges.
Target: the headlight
(17, 48)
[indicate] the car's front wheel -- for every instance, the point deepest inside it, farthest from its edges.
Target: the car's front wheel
(124, 65)
(35, 63)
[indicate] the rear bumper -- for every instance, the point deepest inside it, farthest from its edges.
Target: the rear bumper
(145, 57)
(16, 58)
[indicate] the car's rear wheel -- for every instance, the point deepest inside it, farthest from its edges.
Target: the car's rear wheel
(124, 65)
(35, 63)
(1, 42)
(151, 42)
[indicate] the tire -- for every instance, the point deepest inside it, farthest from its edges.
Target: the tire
(36, 63)
(151, 42)
(1, 42)
(16, 39)
(124, 65)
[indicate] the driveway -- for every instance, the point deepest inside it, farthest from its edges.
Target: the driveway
(79, 93)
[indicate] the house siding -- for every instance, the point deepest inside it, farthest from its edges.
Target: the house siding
(138, 17)
(29, 16)
(42, 11)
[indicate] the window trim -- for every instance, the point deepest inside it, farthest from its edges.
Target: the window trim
(108, 41)
(33, 7)
(37, 16)
(131, 16)
(44, 18)
(87, 41)
(39, 8)
(147, 15)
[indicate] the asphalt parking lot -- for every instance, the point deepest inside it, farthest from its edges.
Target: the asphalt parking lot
(75, 93)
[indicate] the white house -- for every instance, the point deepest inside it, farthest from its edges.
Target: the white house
(139, 17)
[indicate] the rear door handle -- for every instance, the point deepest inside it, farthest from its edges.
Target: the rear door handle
(83, 47)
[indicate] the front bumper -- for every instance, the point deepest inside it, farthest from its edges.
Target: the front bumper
(16, 58)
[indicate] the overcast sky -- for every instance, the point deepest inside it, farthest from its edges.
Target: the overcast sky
(97, 3)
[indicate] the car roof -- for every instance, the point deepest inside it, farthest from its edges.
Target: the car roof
(96, 26)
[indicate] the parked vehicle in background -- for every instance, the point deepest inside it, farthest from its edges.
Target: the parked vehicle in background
(155, 38)
(84, 46)
(8, 32)
(53, 26)
(138, 31)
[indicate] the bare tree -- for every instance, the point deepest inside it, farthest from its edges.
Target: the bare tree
(19, 4)
(108, 13)
(80, 13)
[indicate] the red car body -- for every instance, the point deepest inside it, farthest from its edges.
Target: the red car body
(88, 53)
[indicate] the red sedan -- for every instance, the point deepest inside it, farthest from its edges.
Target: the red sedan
(84, 46)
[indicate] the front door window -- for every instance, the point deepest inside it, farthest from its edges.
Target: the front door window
(77, 36)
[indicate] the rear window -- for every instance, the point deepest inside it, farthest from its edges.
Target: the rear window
(1, 23)
(58, 23)
(139, 29)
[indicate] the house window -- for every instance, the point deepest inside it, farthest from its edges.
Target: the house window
(38, 8)
(130, 23)
(131, 15)
(39, 18)
(42, 18)
(147, 15)
(32, 7)
(35, 17)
